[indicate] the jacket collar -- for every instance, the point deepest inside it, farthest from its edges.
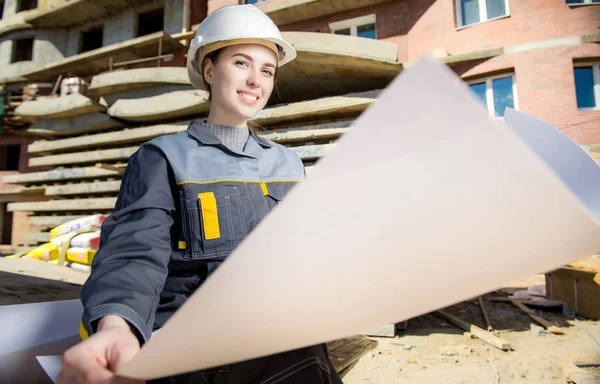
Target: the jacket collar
(200, 132)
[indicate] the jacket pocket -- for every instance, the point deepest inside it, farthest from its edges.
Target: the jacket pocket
(213, 224)
(275, 192)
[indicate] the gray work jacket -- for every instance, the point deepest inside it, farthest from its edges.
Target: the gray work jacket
(186, 201)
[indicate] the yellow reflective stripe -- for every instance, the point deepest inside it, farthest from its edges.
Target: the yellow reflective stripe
(264, 188)
(210, 216)
(236, 181)
(82, 332)
(181, 245)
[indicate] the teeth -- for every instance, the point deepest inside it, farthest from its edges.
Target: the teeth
(248, 97)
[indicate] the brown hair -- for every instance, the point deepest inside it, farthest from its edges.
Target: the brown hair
(214, 57)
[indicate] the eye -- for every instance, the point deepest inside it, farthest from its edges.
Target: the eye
(242, 62)
(268, 72)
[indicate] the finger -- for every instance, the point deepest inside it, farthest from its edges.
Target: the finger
(81, 365)
(121, 354)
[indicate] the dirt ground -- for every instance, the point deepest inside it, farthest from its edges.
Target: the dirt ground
(432, 350)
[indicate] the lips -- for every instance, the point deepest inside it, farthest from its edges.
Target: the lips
(249, 97)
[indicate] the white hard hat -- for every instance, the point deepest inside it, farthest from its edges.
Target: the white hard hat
(231, 25)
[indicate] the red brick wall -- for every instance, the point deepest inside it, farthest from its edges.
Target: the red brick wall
(529, 21)
(545, 82)
(546, 87)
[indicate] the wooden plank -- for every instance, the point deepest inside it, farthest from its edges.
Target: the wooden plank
(476, 331)
(87, 157)
(103, 203)
(58, 175)
(84, 188)
(51, 221)
(23, 191)
(540, 320)
(344, 352)
(42, 269)
(38, 237)
(488, 323)
(579, 288)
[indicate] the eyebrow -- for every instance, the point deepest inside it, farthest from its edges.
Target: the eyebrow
(250, 58)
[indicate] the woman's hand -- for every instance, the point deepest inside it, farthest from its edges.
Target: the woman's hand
(96, 359)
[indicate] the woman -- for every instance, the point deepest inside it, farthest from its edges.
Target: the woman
(186, 201)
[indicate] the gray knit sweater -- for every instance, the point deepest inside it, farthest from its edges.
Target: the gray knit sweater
(232, 137)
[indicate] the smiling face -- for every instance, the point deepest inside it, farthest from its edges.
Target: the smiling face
(241, 80)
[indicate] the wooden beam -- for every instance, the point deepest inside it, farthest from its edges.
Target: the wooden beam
(38, 237)
(87, 157)
(84, 188)
(58, 175)
(543, 322)
(51, 221)
(103, 203)
(476, 331)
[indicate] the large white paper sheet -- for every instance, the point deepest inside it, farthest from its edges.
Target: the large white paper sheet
(23, 367)
(52, 365)
(27, 325)
(424, 202)
(567, 160)
(30, 330)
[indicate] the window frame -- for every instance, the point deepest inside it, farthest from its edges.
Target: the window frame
(82, 32)
(13, 52)
(20, 8)
(146, 11)
(482, 14)
(489, 91)
(596, 74)
(353, 24)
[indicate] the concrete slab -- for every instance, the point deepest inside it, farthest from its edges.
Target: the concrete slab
(58, 107)
(333, 65)
(149, 91)
(126, 80)
(89, 123)
(169, 106)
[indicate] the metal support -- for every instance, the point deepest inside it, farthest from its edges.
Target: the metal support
(110, 64)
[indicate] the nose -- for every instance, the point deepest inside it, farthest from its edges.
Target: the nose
(253, 80)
